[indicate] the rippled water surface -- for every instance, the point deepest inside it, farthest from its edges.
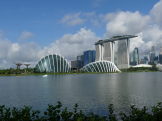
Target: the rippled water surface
(93, 92)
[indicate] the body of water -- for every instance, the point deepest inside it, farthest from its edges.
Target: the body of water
(93, 92)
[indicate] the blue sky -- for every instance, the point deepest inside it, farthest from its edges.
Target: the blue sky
(42, 17)
(32, 29)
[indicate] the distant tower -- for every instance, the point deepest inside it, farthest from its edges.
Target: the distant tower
(18, 65)
(160, 56)
(153, 49)
(152, 55)
(135, 56)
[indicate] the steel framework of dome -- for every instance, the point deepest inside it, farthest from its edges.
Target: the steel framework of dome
(100, 66)
(53, 63)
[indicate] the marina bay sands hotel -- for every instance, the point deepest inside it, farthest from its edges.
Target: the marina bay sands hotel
(115, 49)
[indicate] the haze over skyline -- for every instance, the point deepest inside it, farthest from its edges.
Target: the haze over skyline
(30, 29)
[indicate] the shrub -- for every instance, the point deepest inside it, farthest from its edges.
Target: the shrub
(58, 113)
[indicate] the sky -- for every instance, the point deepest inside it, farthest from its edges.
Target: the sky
(31, 29)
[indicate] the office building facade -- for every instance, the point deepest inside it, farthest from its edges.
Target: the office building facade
(89, 56)
(135, 57)
(160, 56)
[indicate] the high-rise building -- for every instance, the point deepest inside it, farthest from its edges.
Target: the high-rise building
(160, 56)
(105, 50)
(89, 56)
(74, 65)
(123, 54)
(152, 55)
(146, 60)
(77, 64)
(135, 57)
(153, 49)
(131, 58)
(80, 57)
(80, 60)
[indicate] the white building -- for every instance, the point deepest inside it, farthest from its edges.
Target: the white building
(105, 50)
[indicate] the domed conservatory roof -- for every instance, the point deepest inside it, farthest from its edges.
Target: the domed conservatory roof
(100, 66)
(53, 63)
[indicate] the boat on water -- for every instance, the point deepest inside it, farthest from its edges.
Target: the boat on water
(45, 75)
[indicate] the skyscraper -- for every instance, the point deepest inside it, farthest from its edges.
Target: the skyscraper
(77, 64)
(160, 56)
(152, 55)
(80, 60)
(123, 54)
(89, 56)
(146, 60)
(105, 50)
(135, 57)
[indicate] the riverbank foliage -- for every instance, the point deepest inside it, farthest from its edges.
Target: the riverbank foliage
(140, 69)
(13, 71)
(32, 71)
(58, 113)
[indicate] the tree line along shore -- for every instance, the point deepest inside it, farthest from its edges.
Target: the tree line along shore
(32, 71)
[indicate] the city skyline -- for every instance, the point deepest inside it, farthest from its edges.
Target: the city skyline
(29, 31)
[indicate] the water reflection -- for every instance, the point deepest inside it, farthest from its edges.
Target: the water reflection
(93, 92)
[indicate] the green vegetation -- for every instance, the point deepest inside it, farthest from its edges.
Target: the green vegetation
(32, 71)
(12, 71)
(141, 69)
(29, 71)
(59, 113)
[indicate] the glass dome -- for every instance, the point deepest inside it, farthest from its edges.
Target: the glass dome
(100, 66)
(53, 63)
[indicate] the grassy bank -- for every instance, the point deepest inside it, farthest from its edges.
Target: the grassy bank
(140, 69)
(30, 74)
(60, 113)
(24, 72)
(31, 71)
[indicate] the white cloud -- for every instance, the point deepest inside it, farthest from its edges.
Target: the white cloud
(71, 45)
(12, 52)
(137, 42)
(148, 31)
(156, 13)
(152, 36)
(82, 18)
(94, 19)
(126, 23)
(25, 35)
(72, 19)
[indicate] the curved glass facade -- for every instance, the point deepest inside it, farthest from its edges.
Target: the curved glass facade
(53, 63)
(100, 66)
